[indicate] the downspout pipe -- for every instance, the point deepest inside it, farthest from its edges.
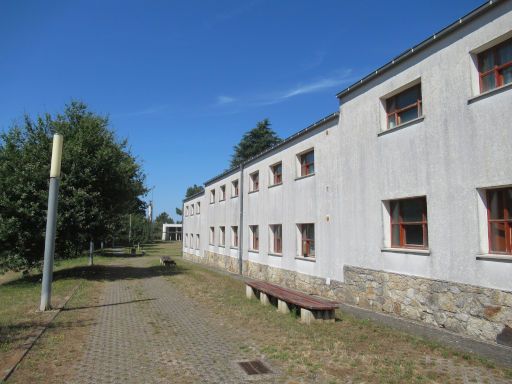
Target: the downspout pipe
(241, 225)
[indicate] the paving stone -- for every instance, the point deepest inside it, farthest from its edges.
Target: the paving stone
(147, 332)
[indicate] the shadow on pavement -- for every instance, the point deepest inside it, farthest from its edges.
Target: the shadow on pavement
(104, 273)
(105, 305)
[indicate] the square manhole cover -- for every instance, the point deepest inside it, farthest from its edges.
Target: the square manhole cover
(254, 367)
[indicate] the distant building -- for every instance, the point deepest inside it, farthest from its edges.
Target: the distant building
(401, 201)
(172, 232)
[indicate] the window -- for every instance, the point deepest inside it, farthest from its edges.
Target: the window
(186, 240)
(276, 238)
(495, 66)
(234, 236)
(191, 245)
(212, 196)
(198, 208)
(234, 188)
(192, 210)
(499, 219)
(212, 235)
(222, 193)
(307, 163)
(255, 181)
(276, 171)
(255, 237)
(197, 241)
(404, 107)
(307, 240)
(186, 210)
(409, 227)
(222, 239)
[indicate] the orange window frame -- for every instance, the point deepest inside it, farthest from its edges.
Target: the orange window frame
(505, 222)
(403, 224)
(496, 69)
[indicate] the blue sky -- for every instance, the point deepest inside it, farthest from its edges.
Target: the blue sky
(183, 80)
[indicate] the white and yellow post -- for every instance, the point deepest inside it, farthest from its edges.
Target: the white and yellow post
(51, 223)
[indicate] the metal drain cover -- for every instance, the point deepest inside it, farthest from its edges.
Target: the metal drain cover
(254, 367)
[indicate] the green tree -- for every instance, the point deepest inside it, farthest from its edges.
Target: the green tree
(255, 141)
(179, 213)
(161, 219)
(194, 190)
(101, 182)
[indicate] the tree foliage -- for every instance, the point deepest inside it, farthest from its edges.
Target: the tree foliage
(101, 182)
(160, 220)
(179, 213)
(194, 190)
(255, 141)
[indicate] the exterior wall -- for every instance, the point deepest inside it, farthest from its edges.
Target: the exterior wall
(459, 146)
(222, 213)
(297, 200)
(194, 225)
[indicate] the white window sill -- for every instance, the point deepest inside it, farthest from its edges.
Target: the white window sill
(494, 257)
(404, 125)
(304, 177)
(274, 185)
(491, 92)
(256, 190)
(310, 259)
(275, 254)
(413, 251)
(234, 248)
(254, 251)
(234, 197)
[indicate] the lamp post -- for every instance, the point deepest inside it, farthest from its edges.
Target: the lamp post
(51, 223)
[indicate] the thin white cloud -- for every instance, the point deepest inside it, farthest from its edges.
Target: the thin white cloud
(232, 105)
(335, 80)
(223, 100)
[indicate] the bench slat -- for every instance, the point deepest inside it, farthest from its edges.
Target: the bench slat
(300, 299)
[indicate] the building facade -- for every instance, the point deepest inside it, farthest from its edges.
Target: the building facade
(172, 232)
(400, 202)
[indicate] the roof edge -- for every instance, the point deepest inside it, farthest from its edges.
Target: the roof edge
(422, 45)
(193, 196)
(284, 142)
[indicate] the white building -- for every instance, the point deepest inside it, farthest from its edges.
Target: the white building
(399, 202)
(171, 232)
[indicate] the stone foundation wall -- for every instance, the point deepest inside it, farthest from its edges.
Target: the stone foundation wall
(224, 262)
(478, 312)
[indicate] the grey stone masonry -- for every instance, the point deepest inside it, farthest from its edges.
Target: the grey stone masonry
(479, 312)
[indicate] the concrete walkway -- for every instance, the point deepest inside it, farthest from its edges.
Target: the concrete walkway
(147, 332)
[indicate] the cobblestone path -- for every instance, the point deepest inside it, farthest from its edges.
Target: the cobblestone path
(147, 332)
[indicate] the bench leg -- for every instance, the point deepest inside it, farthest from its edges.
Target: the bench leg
(249, 292)
(307, 316)
(329, 316)
(282, 306)
(264, 299)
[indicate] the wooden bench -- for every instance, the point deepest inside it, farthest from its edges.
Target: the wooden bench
(167, 261)
(311, 308)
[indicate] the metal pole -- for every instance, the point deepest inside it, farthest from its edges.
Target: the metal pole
(51, 224)
(130, 231)
(241, 225)
(91, 250)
